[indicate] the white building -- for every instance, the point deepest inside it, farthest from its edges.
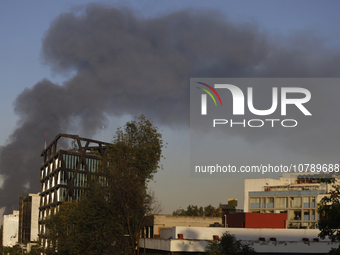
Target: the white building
(296, 195)
(10, 229)
(180, 240)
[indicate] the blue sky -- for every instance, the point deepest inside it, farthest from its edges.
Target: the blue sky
(24, 23)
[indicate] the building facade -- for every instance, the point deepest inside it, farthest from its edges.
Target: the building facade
(296, 195)
(10, 229)
(64, 172)
(28, 218)
(193, 240)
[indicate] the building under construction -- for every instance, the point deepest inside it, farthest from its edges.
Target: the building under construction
(67, 162)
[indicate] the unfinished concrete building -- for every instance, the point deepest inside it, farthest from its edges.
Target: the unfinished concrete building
(67, 161)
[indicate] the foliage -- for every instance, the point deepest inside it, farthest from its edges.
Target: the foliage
(35, 250)
(137, 148)
(86, 227)
(228, 244)
(211, 211)
(61, 227)
(15, 250)
(109, 217)
(194, 210)
(328, 210)
(1, 233)
(334, 251)
(128, 165)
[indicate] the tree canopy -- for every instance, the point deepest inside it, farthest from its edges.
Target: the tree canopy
(328, 209)
(194, 210)
(110, 215)
(228, 244)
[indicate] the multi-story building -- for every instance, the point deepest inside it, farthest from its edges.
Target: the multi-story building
(28, 217)
(296, 195)
(10, 229)
(64, 172)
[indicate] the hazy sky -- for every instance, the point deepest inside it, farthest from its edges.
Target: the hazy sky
(278, 34)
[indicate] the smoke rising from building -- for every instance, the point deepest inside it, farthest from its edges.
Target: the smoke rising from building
(126, 64)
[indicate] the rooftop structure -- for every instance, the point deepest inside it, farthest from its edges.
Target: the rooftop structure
(230, 207)
(155, 222)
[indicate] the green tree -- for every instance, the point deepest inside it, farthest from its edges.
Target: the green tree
(85, 227)
(179, 212)
(328, 209)
(228, 244)
(211, 211)
(334, 251)
(61, 227)
(110, 215)
(35, 250)
(128, 166)
(15, 250)
(194, 210)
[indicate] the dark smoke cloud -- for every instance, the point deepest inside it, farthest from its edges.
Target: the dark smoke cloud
(126, 64)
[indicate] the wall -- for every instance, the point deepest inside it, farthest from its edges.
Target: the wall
(287, 240)
(266, 220)
(235, 220)
(35, 217)
(251, 234)
(256, 220)
(194, 246)
(267, 247)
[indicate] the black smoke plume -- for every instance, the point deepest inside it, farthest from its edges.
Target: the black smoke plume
(126, 64)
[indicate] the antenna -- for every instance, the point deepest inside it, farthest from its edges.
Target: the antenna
(103, 134)
(45, 140)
